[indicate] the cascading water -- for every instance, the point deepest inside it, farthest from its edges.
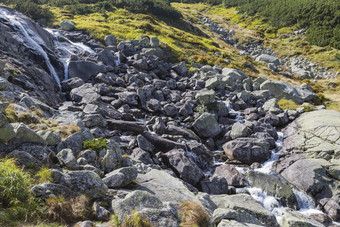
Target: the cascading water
(66, 48)
(30, 39)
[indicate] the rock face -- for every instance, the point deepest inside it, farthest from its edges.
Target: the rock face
(312, 149)
(284, 90)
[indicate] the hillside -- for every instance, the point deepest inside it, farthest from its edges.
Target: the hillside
(145, 113)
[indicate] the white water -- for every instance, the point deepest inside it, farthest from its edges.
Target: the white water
(232, 112)
(267, 166)
(66, 48)
(31, 40)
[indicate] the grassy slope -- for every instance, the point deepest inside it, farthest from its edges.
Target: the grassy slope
(248, 28)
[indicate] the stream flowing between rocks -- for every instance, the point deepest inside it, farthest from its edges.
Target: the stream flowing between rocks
(67, 50)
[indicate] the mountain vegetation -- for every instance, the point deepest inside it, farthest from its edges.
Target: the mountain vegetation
(322, 18)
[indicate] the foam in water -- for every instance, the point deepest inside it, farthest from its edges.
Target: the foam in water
(233, 112)
(31, 39)
(267, 166)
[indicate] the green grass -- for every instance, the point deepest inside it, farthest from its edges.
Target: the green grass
(184, 43)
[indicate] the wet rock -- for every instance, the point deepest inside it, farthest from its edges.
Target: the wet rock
(274, 186)
(247, 210)
(293, 218)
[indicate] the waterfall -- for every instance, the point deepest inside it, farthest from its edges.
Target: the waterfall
(32, 40)
(66, 48)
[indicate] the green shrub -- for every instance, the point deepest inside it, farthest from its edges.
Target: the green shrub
(95, 144)
(18, 203)
(287, 104)
(44, 175)
(308, 108)
(135, 220)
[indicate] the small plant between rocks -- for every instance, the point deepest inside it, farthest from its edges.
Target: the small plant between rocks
(95, 144)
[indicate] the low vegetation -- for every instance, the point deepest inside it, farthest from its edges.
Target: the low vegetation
(320, 17)
(135, 220)
(16, 201)
(96, 144)
(193, 214)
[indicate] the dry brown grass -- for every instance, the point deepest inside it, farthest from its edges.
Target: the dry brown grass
(68, 211)
(193, 214)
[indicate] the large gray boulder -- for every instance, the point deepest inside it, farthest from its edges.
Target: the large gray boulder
(113, 158)
(293, 218)
(247, 150)
(67, 25)
(84, 69)
(268, 59)
(273, 185)
(75, 142)
(148, 206)
(231, 76)
(82, 181)
(67, 158)
(160, 183)
(184, 165)
(207, 126)
(231, 174)
(242, 208)
(120, 177)
(24, 134)
(239, 130)
(312, 152)
(284, 90)
(110, 40)
(205, 97)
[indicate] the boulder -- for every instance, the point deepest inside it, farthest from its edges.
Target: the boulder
(148, 206)
(23, 158)
(113, 158)
(242, 208)
(75, 142)
(110, 40)
(159, 183)
(247, 150)
(144, 144)
(284, 90)
(214, 185)
(24, 134)
(205, 97)
(162, 144)
(230, 173)
(273, 185)
(184, 166)
(86, 93)
(84, 69)
(269, 59)
(67, 25)
(67, 158)
(206, 126)
(239, 130)
(180, 68)
(293, 218)
(7, 133)
(82, 181)
(120, 177)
